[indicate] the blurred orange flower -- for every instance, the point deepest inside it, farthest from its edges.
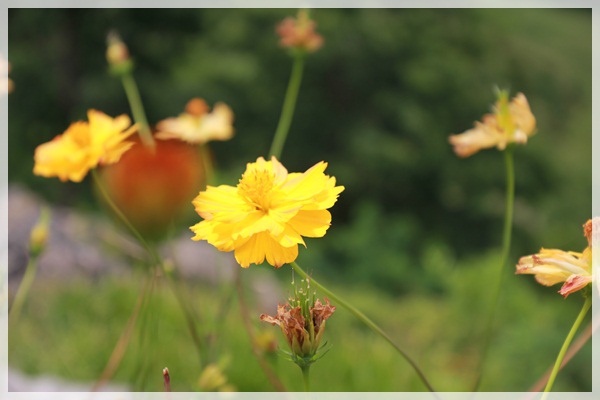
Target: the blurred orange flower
(552, 266)
(197, 125)
(83, 146)
(268, 213)
(299, 33)
(510, 123)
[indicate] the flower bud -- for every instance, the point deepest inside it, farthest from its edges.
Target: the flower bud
(39, 234)
(117, 55)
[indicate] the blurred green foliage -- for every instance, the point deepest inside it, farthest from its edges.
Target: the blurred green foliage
(67, 332)
(378, 102)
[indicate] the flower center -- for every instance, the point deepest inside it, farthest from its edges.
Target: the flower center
(255, 186)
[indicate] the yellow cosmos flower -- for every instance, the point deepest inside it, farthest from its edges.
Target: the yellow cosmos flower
(268, 213)
(510, 123)
(552, 266)
(197, 125)
(83, 146)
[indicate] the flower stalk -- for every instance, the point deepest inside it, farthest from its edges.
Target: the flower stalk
(137, 108)
(363, 318)
(563, 350)
(506, 240)
(289, 104)
(156, 259)
(37, 245)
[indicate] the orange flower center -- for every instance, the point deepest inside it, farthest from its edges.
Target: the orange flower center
(255, 186)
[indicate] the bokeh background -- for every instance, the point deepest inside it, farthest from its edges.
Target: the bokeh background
(415, 235)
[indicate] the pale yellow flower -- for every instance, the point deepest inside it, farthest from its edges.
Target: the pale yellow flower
(299, 33)
(552, 266)
(197, 125)
(83, 146)
(510, 123)
(268, 213)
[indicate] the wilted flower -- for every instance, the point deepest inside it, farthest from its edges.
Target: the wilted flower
(6, 84)
(510, 123)
(268, 213)
(83, 146)
(299, 33)
(197, 125)
(552, 266)
(302, 321)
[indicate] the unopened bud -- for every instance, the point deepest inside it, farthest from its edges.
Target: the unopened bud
(117, 54)
(167, 379)
(39, 234)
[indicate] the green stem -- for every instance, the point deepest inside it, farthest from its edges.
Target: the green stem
(362, 317)
(306, 377)
(206, 163)
(156, 259)
(24, 287)
(287, 112)
(506, 239)
(565, 346)
(137, 109)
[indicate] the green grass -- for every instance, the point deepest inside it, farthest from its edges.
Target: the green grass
(70, 328)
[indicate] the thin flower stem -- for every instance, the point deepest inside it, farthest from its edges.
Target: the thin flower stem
(156, 259)
(306, 377)
(358, 314)
(583, 338)
(264, 365)
(565, 346)
(24, 287)
(206, 163)
(506, 239)
(137, 109)
(287, 112)
(119, 350)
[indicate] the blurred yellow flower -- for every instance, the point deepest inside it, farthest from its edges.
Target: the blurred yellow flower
(552, 266)
(510, 123)
(268, 213)
(83, 146)
(197, 125)
(299, 33)
(212, 379)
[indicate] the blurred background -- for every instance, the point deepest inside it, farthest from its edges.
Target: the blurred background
(416, 234)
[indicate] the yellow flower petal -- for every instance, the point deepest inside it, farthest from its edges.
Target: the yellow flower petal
(268, 213)
(511, 123)
(198, 126)
(261, 246)
(552, 266)
(83, 146)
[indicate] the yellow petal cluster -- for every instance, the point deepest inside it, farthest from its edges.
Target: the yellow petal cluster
(268, 213)
(197, 125)
(509, 123)
(552, 266)
(83, 146)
